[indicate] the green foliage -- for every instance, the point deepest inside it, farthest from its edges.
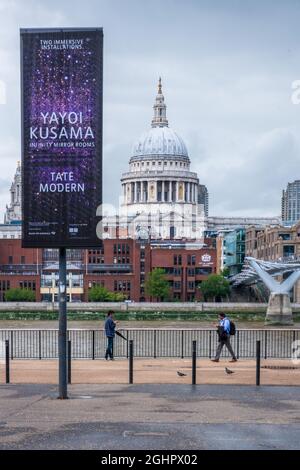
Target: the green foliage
(225, 272)
(215, 287)
(157, 285)
(101, 294)
(19, 295)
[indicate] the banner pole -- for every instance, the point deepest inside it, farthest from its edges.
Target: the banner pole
(62, 333)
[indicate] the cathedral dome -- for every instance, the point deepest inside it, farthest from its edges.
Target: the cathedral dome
(160, 141)
(159, 169)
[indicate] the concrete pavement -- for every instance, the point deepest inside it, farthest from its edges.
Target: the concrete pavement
(161, 416)
(160, 371)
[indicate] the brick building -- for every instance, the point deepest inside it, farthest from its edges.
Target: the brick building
(120, 265)
(19, 267)
(275, 243)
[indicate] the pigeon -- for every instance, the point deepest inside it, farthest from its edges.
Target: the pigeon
(181, 374)
(228, 371)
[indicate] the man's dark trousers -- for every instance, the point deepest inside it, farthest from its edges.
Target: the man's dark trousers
(110, 345)
(222, 343)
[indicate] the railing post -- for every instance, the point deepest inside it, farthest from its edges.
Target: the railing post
(237, 344)
(69, 362)
(131, 361)
(209, 352)
(40, 345)
(154, 345)
(266, 348)
(194, 358)
(11, 344)
(93, 345)
(182, 344)
(7, 375)
(258, 362)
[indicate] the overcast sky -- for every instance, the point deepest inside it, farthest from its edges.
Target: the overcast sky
(227, 69)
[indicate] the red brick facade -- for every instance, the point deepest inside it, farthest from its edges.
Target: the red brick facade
(19, 267)
(121, 265)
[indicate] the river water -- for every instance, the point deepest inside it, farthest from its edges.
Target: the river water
(157, 324)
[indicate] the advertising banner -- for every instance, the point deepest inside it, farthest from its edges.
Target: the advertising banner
(61, 79)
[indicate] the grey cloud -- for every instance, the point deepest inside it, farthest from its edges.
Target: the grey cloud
(227, 70)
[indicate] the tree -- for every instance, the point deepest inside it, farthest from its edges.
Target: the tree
(18, 294)
(225, 272)
(157, 285)
(215, 287)
(101, 294)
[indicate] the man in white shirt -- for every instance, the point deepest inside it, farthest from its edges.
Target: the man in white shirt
(224, 338)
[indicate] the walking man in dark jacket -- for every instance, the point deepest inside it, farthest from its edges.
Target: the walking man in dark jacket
(224, 338)
(110, 326)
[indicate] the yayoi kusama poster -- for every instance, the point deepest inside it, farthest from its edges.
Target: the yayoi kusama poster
(61, 75)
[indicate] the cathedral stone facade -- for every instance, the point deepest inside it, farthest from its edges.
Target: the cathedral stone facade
(13, 210)
(160, 183)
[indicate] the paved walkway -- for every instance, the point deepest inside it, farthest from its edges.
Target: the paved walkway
(159, 371)
(175, 416)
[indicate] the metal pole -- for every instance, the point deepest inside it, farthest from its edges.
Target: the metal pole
(40, 345)
(93, 346)
(69, 362)
(194, 364)
(7, 362)
(258, 362)
(62, 333)
(131, 361)
(11, 344)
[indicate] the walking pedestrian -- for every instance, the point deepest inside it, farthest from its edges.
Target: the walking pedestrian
(110, 325)
(224, 328)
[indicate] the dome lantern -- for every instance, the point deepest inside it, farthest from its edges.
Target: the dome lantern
(160, 109)
(160, 140)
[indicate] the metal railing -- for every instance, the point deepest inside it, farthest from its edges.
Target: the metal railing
(27, 269)
(149, 343)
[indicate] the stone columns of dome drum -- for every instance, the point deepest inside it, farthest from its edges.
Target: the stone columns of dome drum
(131, 192)
(138, 191)
(163, 191)
(170, 191)
(144, 191)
